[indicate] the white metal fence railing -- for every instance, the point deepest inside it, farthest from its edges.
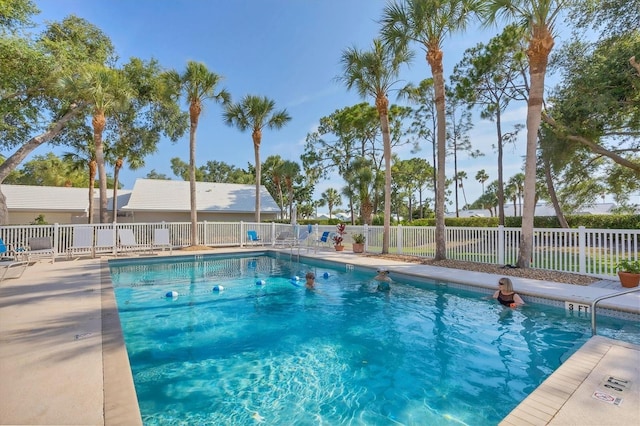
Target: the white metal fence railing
(585, 251)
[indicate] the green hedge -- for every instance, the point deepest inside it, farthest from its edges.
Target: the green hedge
(626, 221)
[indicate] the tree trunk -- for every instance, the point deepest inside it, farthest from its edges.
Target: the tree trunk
(434, 58)
(11, 163)
(116, 173)
(500, 169)
(194, 112)
(257, 138)
(382, 105)
(538, 52)
(98, 122)
(92, 183)
(552, 193)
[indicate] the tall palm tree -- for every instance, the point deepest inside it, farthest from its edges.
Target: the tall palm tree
(373, 73)
(83, 157)
(539, 16)
(106, 90)
(255, 113)
(197, 84)
(482, 177)
(428, 23)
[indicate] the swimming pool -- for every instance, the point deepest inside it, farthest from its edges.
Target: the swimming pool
(343, 354)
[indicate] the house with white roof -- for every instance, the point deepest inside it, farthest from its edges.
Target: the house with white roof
(155, 200)
(150, 200)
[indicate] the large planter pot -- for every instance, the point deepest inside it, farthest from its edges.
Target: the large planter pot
(339, 248)
(358, 247)
(629, 279)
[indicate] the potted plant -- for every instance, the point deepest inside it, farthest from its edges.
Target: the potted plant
(629, 272)
(339, 237)
(358, 242)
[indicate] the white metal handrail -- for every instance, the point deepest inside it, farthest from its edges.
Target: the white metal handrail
(608, 296)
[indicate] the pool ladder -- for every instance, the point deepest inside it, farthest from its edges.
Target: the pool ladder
(607, 296)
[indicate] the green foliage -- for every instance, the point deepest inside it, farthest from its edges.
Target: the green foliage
(358, 238)
(629, 265)
(574, 221)
(39, 220)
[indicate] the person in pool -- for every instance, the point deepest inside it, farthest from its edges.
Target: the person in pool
(506, 295)
(384, 281)
(310, 281)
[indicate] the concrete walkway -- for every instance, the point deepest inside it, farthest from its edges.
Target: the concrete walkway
(63, 360)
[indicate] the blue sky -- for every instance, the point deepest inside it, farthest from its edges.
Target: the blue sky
(287, 50)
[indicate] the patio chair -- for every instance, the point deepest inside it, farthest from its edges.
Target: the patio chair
(324, 239)
(105, 242)
(82, 241)
(128, 242)
(253, 238)
(284, 239)
(7, 268)
(161, 240)
(6, 250)
(38, 248)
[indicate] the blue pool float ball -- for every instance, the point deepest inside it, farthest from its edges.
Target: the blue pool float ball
(260, 282)
(172, 294)
(295, 278)
(326, 275)
(218, 288)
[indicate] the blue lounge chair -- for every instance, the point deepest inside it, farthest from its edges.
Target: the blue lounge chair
(6, 251)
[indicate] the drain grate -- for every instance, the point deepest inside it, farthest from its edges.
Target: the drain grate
(83, 336)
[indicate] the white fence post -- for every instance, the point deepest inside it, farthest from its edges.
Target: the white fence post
(56, 235)
(399, 238)
(582, 249)
(365, 232)
(500, 245)
(241, 234)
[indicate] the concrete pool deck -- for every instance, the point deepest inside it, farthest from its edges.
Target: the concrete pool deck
(63, 360)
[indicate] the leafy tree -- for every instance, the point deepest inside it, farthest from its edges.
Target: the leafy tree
(424, 124)
(539, 16)
(48, 170)
(155, 175)
(107, 91)
(256, 113)
(373, 73)
(29, 82)
(491, 76)
(595, 107)
(331, 198)
(459, 124)
(16, 14)
(197, 84)
(428, 23)
(482, 177)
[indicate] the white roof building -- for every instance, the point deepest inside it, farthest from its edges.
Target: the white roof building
(150, 200)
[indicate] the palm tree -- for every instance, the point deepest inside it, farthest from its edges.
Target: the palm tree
(107, 91)
(255, 113)
(373, 73)
(482, 177)
(84, 156)
(539, 16)
(428, 23)
(331, 198)
(197, 84)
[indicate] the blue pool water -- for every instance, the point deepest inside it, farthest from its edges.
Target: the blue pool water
(279, 354)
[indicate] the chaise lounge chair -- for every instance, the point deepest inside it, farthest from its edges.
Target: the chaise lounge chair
(284, 239)
(161, 240)
(82, 241)
(128, 242)
(38, 248)
(105, 241)
(12, 268)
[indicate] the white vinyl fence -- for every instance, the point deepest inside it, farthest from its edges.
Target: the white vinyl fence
(585, 251)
